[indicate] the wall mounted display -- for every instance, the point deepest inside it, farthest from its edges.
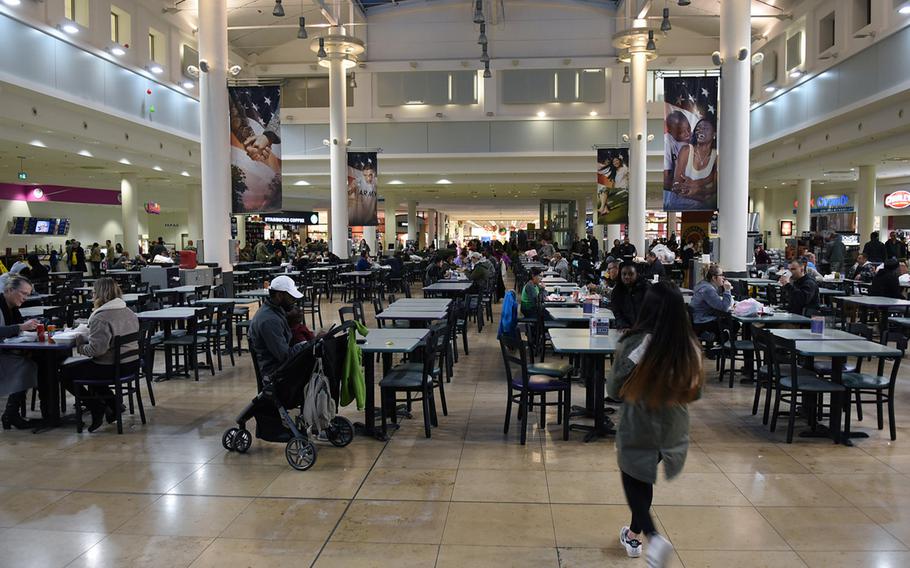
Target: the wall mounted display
(786, 228)
(255, 149)
(363, 177)
(153, 208)
(898, 200)
(690, 143)
(612, 197)
(39, 226)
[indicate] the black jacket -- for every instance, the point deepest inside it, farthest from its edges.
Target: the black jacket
(657, 267)
(626, 302)
(801, 294)
(885, 283)
(270, 337)
(892, 249)
(875, 251)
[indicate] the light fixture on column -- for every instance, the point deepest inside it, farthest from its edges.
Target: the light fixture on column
(116, 49)
(337, 45)
(482, 39)
(797, 73)
(486, 70)
(301, 28)
(625, 74)
(353, 82)
(478, 12)
(665, 22)
(651, 45)
(235, 70)
(37, 193)
(321, 53)
(12, 3)
(155, 68)
(757, 58)
(278, 10)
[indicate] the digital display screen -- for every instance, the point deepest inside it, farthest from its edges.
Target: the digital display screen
(42, 226)
(38, 226)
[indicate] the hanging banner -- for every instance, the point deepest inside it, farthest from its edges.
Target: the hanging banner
(363, 176)
(612, 197)
(690, 143)
(255, 149)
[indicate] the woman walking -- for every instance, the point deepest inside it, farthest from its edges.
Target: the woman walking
(658, 371)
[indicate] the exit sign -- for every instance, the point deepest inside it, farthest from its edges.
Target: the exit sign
(23, 176)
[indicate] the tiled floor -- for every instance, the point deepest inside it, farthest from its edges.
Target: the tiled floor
(166, 494)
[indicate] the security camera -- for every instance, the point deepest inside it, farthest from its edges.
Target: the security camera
(758, 58)
(193, 71)
(347, 142)
(625, 137)
(203, 65)
(235, 70)
(716, 59)
(742, 54)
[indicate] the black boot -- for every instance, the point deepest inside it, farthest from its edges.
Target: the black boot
(11, 416)
(98, 411)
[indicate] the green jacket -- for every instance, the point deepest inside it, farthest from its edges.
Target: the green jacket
(353, 385)
(646, 436)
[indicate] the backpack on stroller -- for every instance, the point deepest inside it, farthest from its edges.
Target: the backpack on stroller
(288, 387)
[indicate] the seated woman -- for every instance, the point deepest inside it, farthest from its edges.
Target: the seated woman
(19, 373)
(36, 272)
(111, 318)
(530, 294)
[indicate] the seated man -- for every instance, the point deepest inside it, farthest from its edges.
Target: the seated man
(655, 266)
(800, 288)
(364, 262)
(560, 265)
(530, 294)
(270, 334)
(436, 270)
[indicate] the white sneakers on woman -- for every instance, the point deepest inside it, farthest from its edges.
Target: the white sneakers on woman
(659, 548)
(632, 545)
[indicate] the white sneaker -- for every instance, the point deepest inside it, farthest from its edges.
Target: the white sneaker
(633, 545)
(659, 550)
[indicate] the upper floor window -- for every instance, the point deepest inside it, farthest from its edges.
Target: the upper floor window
(827, 27)
(120, 26)
(157, 46)
(76, 11)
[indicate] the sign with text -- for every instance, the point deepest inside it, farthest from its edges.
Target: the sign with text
(898, 200)
(292, 218)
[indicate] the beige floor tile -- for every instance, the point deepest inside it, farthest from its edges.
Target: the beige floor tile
(894, 519)
(89, 512)
(590, 526)
(739, 559)
(786, 490)
(428, 454)
(228, 480)
(137, 477)
(131, 551)
(405, 484)
(51, 474)
(880, 559)
(586, 487)
(287, 519)
(504, 455)
(17, 504)
(712, 489)
(138, 447)
(376, 555)
(572, 456)
(718, 528)
(826, 529)
(603, 558)
(186, 515)
(43, 549)
(505, 524)
(457, 556)
(316, 483)
(224, 552)
(407, 522)
(839, 462)
(501, 486)
(748, 458)
(871, 490)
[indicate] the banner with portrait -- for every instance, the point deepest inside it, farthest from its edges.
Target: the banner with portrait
(255, 149)
(612, 197)
(690, 143)
(363, 177)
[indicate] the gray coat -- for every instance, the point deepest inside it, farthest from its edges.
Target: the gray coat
(270, 337)
(19, 373)
(644, 436)
(107, 322)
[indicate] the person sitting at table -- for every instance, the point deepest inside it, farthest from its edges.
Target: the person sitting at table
(35, 271)
(364, 262)
(811, 269)
(461, 261)
(270, 335)
(110, 318)
(762, 258)
(546, 250)
(627, 297)
(19, 373)
(655, 266)
(120, 262)
(711, 298)
(886, 281)
(608, 281)
(436, 270)
(560, 265)
(800, 288)
(530, 294)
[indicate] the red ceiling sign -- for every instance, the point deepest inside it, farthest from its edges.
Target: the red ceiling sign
(898, 200)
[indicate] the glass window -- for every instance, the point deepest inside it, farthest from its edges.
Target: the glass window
(76, 11)
(157, 46)
(115, 27)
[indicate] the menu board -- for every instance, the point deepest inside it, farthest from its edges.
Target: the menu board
(39, 226)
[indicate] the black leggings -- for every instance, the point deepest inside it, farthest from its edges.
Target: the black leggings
(639, 495)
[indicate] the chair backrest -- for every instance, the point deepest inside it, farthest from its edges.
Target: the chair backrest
(515, 358)
(126, 354)
(355, 310)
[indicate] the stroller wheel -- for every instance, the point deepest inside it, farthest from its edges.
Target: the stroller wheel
(227, 440)
(242, 441)
(301, 453)
(341, 433)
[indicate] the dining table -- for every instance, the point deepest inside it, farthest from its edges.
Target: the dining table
(881, 304)
(48, 355)
(168, 317)
(774, 319)
(449, 289)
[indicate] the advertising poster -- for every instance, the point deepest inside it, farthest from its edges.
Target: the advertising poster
(255, 149)
(363, 177)
(690, 143)
(612, 197)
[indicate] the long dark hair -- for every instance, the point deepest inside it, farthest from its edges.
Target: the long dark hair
(670, 371)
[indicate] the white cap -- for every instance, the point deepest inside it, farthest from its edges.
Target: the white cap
(476, 254)
(285, 284)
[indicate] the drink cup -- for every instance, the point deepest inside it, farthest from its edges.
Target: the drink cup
(817, 325)
(40, 331)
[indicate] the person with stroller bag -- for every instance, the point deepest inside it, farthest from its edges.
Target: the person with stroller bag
(657, 372)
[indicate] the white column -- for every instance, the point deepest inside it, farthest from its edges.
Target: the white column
(441, 240)
(581, 206)
(241, 229)
(733, 136)
(613, 233)
(672, 218)
(338, 156)
(431, 226)
(804, 206)
(194, 212)
(412, 220)
(865, 202)
(638, 148)
(369, 235)
(130, 215)
(215, 132)
(391, 230)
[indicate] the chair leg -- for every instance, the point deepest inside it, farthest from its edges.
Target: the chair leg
(732, 368)
(426, 415)
(791, 418)
(776, 412)
(768, 395)
(543, 410)
(139, 400)
(505, 426)
(723, 366)
(78, 405)
(892, 427)
(566, 410)
(383, 410)
(757, 398)
(118, 398)
(442, 395)
(148, 384)
(846, 410)
(523, 408)
(879, 409)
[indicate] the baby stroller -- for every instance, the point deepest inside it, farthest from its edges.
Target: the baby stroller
(285, 389)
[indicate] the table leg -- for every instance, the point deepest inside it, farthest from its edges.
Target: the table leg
(748, 358)
(368, 427)
(603, 426)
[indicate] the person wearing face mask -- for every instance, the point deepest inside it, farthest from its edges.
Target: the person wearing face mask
(627, 297)
(270, 335)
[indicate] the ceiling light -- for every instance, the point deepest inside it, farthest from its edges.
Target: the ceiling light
(797, 73)
(278, 10)
(321, 53)
(486, 70)
(396, 182)
(188, 85)
(770, 89)
(592, 113)
(541, 114)
(478, 12)
(482, 39)
(69, 26)
(185, 173)
(37, 193)
(625, 75)
(157, 168)
(651, 46)
(85, 153)
(155, 68)
(665, 22)
(301, 182)
(37, 144)
(124, 161)
(904, 10)
(301, 28)
(443, 181)
(117, 50)
(12, 3)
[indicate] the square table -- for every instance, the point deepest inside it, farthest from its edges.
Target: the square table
(168, 316)
(879, 303)
(48, 356)
(577, 315)
(436, 303)
(767, 320)
(37, 299)
(412, 315)
(224, 301)
(807, 335)
(449, 288)
(594, 348)
(37, 311)
(386, 342)
(554, 280)
(260, 293)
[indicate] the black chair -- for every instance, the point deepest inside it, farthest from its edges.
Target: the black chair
(194, 343)
(878, 385)
(413, 382)
(731, 349)
(523, 387)
(441, 368)
(355, 311)
(765, 356)
(221, 334)
(147, 356)
(310, 303)
(125, 381)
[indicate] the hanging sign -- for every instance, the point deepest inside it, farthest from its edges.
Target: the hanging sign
(152, 208)
(612, 198)
(363, 176)
(255, 149)
(898, 200)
